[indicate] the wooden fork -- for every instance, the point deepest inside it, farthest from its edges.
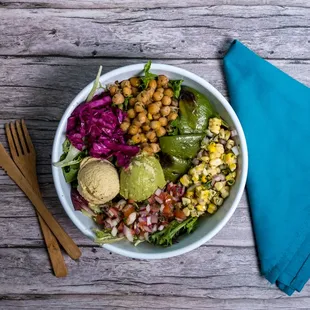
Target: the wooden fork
(24, 156)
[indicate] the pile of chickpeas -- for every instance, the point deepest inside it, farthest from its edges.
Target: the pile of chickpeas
(150, 111)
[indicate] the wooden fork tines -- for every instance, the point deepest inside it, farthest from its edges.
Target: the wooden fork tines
(24, 156)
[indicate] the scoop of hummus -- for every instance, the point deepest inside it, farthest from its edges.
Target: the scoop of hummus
(141, 179)
(98, 180)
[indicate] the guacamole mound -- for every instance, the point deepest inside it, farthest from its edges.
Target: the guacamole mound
(142, 178)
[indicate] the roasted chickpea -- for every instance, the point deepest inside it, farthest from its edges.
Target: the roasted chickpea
(160, 89)
(155, 124)
(165, 111)
(139, 107)
(131, 113)
(166, 100)
(135, 91)
(132, 101)
(144, 144)
(162, 80)
(125, 83)
(156, 116)
(143, 97)
(154, 139)
(155, 147)
(152, 84)
(136, 138)
(148, 149)
(159, 103)
(135, 81)
(118, 99)
(172, 116)
(153, 108)
(150, 92)
(174, 102)
(127, 91)
(161, 131)
(143, 138)
(163, 121)
(146, 127)
(133, 129)
(150, 135)
(142, 117)
(113, 90)
(124, 126)
(140, 130)
(168, 92)
(158, 96)
(136, 122)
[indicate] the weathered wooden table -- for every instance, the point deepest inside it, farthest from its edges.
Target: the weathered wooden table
(49, 50)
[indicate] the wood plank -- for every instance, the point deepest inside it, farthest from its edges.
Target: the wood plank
(207, 272)
(109, 4)
(107, 302)
(160, 32)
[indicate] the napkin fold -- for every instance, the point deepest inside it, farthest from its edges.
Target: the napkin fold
(274, 110)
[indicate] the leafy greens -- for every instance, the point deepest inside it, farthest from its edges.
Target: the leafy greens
(174, 229)
(148, 76)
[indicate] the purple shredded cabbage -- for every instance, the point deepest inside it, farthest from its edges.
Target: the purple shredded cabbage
(96, 126)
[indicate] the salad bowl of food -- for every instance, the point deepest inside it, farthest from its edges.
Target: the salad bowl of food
(149, 161)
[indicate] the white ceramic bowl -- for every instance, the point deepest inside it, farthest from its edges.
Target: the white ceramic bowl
(207, 227)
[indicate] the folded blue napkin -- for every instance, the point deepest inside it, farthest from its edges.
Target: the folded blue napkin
(274, 110)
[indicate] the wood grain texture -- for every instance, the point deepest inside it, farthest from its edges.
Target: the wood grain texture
(50, 50)
(159, 32)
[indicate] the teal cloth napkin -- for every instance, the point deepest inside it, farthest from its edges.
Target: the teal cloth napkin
(274, 110)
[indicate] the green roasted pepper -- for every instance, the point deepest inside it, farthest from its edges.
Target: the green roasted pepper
(195, 111)
(183, 146)
(174, 167)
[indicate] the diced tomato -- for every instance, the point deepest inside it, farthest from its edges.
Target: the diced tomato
(179, 214)
(131, 201)
(120, 227)
(128, 210)
(167, 211)
(100, 219)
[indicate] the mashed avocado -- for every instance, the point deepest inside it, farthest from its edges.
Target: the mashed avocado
(141, 179)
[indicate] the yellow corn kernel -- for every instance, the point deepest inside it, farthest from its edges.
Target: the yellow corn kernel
(190, 207)
(194, 201)
(219, 148)
(216, 162)
(231, 176)
(200, 167)
(215, 155)
(205, 159)
(230, 158)
(185, 180)
(230, 143)
(232, 167)
(189, 194)
(219, 185)
(198, 189)
(194, 213)
(186, 201)
(195, 178)
(186, 211)
(201, 208)
(215, 125)
(149, 116)
(203, 179)
(211, 208)
(225, 192)
(212, 147)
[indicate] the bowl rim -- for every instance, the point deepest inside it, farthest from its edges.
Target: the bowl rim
(243, 175)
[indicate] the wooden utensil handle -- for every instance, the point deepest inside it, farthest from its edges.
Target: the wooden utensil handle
(9, 166)
(54, 252)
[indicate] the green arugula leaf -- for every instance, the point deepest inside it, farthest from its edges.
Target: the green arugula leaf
(176, 87)
(167, 236)
(148, 76)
